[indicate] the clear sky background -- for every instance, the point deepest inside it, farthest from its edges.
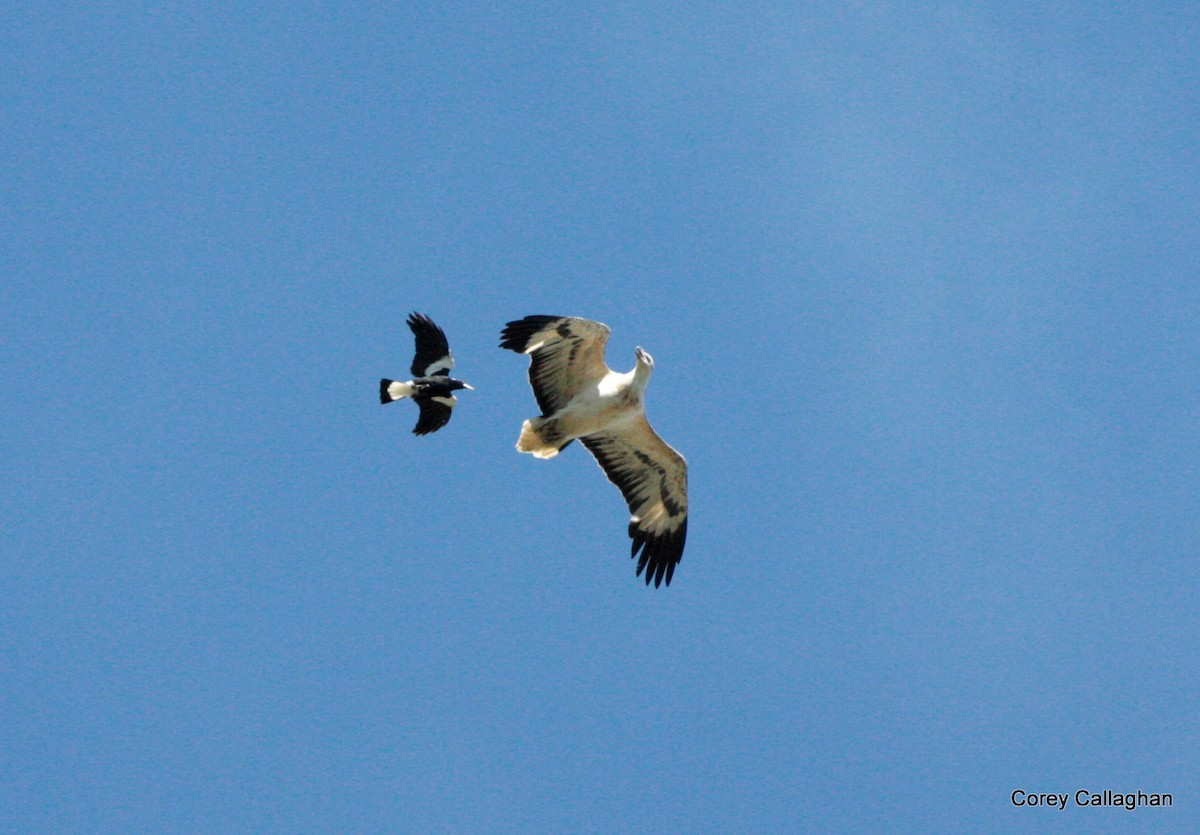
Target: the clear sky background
(921, 282)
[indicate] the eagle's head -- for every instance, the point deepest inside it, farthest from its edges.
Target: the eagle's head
(643, 370)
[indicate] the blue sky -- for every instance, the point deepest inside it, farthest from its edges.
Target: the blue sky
(921, 286)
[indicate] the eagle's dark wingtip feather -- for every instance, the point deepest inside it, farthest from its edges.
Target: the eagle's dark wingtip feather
(659, 554)
(516, 334)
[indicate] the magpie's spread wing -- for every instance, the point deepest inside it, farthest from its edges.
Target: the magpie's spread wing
(435, 413)
(567, 355)
(653, 479)
(433, 351)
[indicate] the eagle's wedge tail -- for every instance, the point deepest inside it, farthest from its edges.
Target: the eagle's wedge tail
(541, 438)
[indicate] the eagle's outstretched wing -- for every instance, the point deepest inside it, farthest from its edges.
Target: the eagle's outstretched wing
(653, 479)
(567, 355)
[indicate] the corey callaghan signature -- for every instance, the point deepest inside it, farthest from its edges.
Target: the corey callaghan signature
(1089, 799)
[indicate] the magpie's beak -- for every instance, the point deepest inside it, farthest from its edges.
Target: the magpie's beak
(468, 386)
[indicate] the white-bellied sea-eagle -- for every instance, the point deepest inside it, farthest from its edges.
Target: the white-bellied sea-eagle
(581, 397)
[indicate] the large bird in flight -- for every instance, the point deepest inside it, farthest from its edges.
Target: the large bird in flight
(431, 384)
(581, 397)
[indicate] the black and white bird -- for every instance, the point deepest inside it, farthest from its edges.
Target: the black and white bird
(581, 397)
(431, 384)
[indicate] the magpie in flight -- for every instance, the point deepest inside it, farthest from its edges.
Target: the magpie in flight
(431, 384)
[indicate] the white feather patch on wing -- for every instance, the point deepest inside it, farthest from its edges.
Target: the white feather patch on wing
(440, 366)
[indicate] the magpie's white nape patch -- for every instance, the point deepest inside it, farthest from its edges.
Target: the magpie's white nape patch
(431, 385)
